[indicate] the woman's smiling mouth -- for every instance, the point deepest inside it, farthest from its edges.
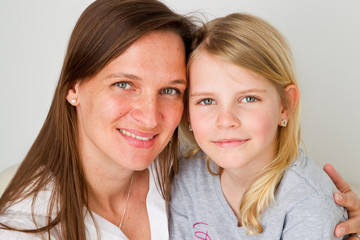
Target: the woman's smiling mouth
(136, 136)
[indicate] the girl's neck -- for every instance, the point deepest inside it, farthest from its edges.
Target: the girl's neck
(233, 187)
(235, 181)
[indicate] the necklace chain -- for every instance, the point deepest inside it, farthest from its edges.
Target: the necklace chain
(127, 200)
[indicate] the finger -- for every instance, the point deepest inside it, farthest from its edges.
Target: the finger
(337, 178)
(347, 227)
(348, 200)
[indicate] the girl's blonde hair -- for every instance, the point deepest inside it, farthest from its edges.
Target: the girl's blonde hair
(252, 43)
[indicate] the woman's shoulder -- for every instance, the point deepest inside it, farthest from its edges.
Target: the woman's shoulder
(20, 213)
(15, 235)
(29, 213)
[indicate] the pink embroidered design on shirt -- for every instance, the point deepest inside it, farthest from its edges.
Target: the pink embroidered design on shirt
(199, 234)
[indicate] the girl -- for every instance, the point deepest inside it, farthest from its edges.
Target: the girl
(244, 113)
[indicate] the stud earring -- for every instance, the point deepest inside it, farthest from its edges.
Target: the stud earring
(190, 128)
(73, 101)
(283, 123)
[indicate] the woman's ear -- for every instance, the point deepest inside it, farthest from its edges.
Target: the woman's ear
(72, 96)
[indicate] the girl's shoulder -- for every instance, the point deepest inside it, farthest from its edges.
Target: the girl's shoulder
(305, 178)
(193, 174)
(198, 160)
(196, 166)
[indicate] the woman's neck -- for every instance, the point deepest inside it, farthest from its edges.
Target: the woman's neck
(109, 195)
(107, 190)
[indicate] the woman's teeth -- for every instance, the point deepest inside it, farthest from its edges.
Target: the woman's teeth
(134, 136)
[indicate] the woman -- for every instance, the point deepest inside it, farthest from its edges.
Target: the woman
(109, 119)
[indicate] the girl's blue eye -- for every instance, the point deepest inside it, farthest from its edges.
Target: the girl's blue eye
(249, 99)
(207, 101)
(170, 91)
(124, 85)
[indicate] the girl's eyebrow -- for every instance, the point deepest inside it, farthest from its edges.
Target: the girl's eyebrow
(137, 78)
(197, 94)
(252, 90)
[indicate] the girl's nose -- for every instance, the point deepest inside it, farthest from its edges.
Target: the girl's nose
(227, 119)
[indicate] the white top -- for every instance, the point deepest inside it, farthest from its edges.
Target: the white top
(20, 216)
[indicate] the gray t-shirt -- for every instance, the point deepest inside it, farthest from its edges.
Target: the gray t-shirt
(303, 208)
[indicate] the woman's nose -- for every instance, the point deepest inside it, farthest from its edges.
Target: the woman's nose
(147, 112)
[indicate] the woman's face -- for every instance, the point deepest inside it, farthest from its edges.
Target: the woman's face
(127, 113)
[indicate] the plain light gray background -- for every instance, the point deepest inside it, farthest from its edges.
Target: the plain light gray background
(324, 36)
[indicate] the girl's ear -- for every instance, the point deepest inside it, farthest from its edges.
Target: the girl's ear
(188, 119)
(292, 96)
(72, 96)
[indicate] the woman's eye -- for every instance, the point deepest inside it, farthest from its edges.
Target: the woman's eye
(249, 99)
(207, 101)
(124, 85)
(170, 91)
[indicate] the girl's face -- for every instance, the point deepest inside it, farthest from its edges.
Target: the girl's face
(234, 113)
(127, 113)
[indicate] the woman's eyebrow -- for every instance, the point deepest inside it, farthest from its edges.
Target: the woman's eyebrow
(124, 75)
(135, 77)
(178, 81)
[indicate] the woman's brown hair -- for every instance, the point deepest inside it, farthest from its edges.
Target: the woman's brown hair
(103, 32)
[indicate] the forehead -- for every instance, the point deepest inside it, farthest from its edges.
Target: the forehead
(156, 57)
(157, 42)
(208, 68)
